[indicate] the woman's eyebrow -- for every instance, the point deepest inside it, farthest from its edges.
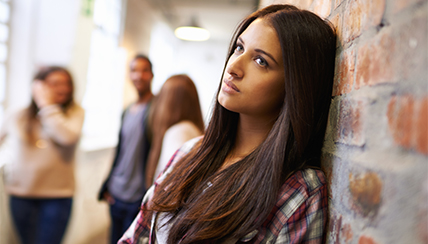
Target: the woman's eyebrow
(259, 50)
(240, 40)
(267, 54)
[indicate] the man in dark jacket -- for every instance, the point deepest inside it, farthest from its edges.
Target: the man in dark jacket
(125, 185)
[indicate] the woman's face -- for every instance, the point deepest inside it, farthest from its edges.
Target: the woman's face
(60, 86)
(253, 82)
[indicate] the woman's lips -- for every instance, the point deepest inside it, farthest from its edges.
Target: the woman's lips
(231, 85)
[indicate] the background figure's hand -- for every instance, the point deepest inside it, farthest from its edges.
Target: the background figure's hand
(108, 198)
(42, 94)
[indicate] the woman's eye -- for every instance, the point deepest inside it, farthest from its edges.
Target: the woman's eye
(239, 49)
(261, 62)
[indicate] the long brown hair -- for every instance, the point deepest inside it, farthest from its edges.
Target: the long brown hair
(177, 101)
(33, 109)
(241, 196)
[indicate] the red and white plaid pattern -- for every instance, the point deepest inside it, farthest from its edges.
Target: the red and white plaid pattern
(299, 215)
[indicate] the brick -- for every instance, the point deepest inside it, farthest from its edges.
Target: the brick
(337, 3)
(303, 4)
(411, 52)
(345, 77)
(366, 190)
(360, 15)
(347, 233)
(350, 125)
(396, 53)
(400, 5)
(366, 240)
(408, 122)
(422, 127)
(338, 232)
(322, 7)
(336, 20)
(374, 62)
(423, 226)
(334, 229)
(423, 213)
(327, 167)
(400, 119)
(337, 71)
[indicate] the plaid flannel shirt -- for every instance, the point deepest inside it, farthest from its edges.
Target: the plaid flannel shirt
(299, 216)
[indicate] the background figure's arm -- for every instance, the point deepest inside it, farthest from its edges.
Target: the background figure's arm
(63, 129)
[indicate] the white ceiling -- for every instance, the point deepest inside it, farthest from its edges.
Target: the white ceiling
(219, 17)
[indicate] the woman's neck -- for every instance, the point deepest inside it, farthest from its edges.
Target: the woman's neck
(251, 132)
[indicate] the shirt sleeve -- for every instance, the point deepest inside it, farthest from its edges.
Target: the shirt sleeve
(307, 224)
(62, 128)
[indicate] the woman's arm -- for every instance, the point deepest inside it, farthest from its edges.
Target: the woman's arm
(62, 128)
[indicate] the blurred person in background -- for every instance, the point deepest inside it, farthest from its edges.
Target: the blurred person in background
(255, 176)
(126, 185)
(175, 118)
(43, 139)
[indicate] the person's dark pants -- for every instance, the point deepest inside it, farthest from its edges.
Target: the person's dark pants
(122, 215)
(40, 221)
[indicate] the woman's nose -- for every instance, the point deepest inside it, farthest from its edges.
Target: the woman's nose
(235, 66)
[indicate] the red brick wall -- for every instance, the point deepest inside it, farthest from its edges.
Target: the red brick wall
(376, 148)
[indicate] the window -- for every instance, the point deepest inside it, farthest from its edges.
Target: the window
(106, 72)
(4, 38)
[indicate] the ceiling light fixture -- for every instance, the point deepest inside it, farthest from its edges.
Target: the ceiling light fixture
(192, 32)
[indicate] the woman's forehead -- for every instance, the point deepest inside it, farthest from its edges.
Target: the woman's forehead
(261, 35)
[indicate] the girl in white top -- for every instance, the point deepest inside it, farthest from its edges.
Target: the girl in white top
(175, 118)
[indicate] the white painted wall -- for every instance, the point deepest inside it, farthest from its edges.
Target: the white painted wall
(203, 62)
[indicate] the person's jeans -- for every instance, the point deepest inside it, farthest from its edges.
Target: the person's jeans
(122, 214)
(40, 221)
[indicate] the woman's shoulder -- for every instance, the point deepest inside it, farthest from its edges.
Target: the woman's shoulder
(184, 150)
(184, 130)
(306, 182)
(178, 155)
(184, 125)
(189, 145)
(301, 203)
(311, 178)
